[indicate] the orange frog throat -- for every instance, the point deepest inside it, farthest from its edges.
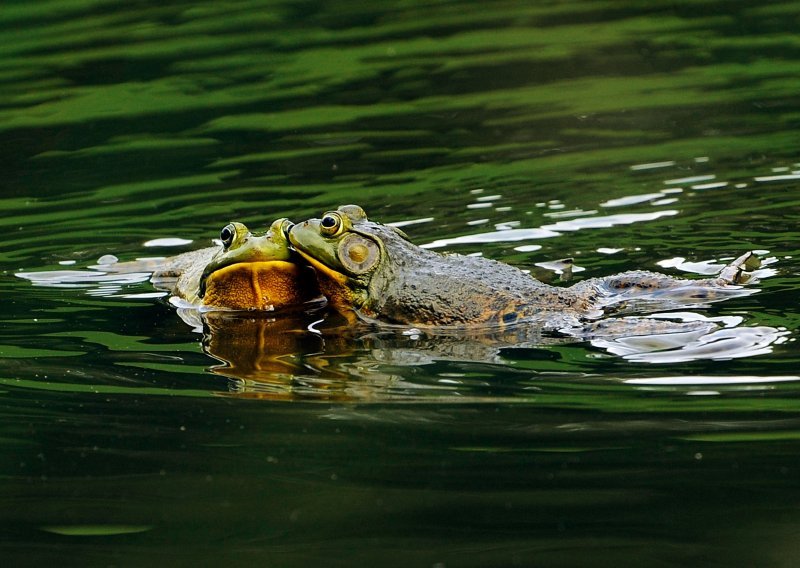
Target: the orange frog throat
(336, 288)
(265, 285)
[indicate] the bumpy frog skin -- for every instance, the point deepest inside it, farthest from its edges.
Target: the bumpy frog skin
(248, 272)
(374, 271)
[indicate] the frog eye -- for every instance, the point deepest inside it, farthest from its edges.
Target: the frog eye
(227, 234)
(358, 254)
(331, 224)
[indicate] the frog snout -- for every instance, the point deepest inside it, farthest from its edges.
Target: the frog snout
(291, 232)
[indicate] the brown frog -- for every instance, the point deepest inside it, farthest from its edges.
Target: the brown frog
(375, 272)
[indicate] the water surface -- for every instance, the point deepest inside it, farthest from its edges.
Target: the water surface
(624, 135)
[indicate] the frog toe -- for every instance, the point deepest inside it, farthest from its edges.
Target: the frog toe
(740, 270)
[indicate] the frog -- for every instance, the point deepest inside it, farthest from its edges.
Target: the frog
(246, 271)
(375, 273)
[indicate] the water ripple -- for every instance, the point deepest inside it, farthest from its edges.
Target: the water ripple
(551, 230)
(719, 344)
(711, 380)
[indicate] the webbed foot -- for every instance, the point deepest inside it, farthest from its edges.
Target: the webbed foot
(740, 270)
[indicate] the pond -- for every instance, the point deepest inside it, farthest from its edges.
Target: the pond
(659, 136)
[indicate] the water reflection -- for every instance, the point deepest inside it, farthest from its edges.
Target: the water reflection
(708, 343)
(314, 354)
(551, 230)
(700, 380)
(97, 282)
(317, 356)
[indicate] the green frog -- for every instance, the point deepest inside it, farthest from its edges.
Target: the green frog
(246, 272)
(375, 273)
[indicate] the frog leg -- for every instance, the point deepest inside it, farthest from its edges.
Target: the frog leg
(737, 272)
(740, 270)
(642, 286)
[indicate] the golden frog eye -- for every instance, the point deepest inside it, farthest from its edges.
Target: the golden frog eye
(227, 234)
(331, 224)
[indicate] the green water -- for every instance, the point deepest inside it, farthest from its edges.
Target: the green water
(636, 134)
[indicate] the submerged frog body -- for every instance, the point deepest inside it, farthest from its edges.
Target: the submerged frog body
(247, 272)
(374, 271)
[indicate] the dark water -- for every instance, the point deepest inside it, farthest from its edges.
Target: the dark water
(654, 135)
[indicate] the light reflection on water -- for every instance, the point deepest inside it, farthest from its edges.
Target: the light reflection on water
(551, 230)
(680, 347)
(83, 278)
(698, 380)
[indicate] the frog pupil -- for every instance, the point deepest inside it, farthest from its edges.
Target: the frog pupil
(328, 222)
(226, 236)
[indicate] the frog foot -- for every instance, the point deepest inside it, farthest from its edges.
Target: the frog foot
(740, 271)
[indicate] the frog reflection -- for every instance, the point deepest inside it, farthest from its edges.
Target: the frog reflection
(317, 355)
(280, 356)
